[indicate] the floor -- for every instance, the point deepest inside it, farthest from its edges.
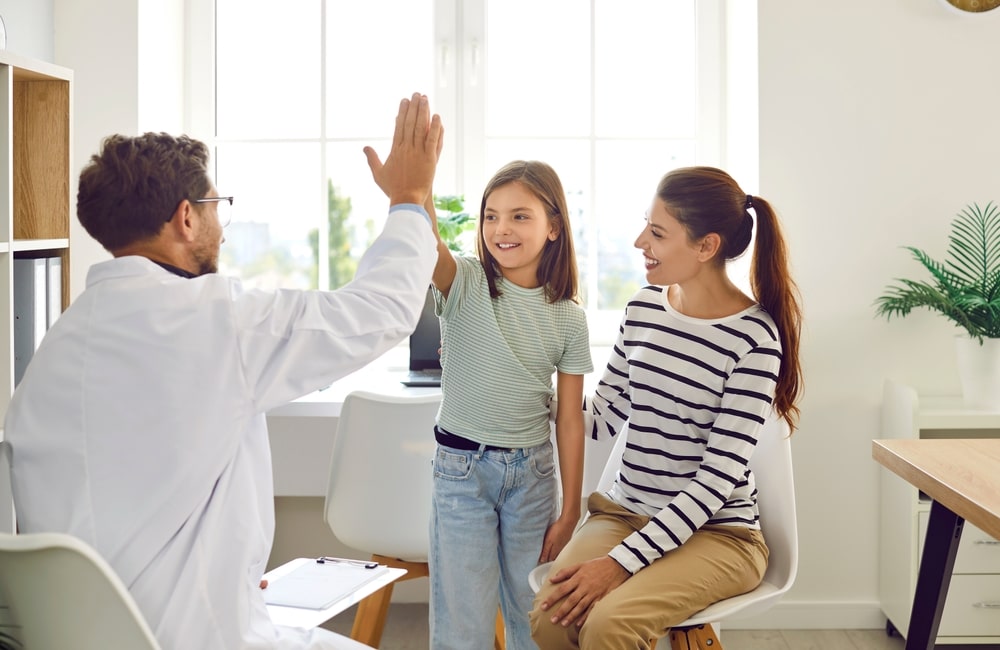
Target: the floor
(406, 629)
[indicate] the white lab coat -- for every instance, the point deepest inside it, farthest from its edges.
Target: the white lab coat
(139, 425)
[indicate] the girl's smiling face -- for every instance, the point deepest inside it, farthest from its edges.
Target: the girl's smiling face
(515, 231)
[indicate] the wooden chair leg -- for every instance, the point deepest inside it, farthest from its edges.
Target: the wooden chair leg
(500, 641)
(698, 637)
(369, 620)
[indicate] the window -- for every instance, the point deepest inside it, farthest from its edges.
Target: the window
(612, 93)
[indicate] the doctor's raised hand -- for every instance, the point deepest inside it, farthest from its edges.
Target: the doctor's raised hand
(407, 174)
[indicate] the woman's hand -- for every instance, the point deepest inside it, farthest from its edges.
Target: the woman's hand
(579, 588)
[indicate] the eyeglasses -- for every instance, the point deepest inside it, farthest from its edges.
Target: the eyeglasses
(225, 208)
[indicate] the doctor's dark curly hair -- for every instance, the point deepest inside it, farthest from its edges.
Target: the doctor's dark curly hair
(132, 187)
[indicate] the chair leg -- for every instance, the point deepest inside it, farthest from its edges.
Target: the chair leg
(500, 641)
(698, 637)
(369, 621)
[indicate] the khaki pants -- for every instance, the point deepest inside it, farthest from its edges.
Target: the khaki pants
(715, 563)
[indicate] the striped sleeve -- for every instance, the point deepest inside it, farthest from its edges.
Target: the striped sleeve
(610, 404)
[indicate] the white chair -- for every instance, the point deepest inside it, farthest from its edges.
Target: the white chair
(772, 467)
(379, 494)
(62, 594)
(7, 524)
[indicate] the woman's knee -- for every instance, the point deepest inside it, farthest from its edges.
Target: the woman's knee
(546, 634)
(607, 627)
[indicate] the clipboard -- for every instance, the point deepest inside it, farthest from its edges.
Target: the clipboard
(318, 585)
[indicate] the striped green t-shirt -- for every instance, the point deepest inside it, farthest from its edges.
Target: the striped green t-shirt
(498, 357)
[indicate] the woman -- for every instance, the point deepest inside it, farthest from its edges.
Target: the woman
(697, 368)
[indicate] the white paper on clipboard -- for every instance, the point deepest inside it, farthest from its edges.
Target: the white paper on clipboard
(317, 585)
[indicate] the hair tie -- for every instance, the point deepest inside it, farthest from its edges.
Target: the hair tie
(749, 203)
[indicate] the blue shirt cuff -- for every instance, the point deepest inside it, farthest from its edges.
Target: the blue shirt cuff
(412, 207)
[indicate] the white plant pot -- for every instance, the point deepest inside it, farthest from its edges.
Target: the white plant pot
(979, 372)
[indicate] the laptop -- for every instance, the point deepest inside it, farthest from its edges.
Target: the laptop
(425, 360)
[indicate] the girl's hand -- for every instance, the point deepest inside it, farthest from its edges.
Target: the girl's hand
(556, 537)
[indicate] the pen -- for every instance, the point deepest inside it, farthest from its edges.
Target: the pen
(368, 565)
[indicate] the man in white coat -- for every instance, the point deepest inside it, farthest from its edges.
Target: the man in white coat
(139, 425)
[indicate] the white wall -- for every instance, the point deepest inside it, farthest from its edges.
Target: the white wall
(127, 60)
(878, 123)
(28, 25)
(98, 41)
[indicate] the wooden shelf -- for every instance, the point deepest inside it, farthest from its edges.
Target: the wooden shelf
(36, 104)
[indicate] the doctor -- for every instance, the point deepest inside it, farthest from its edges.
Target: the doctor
(139, 425)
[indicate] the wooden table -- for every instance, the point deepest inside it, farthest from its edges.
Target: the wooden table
(962, 478)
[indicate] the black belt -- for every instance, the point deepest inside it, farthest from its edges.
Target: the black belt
(458, 442)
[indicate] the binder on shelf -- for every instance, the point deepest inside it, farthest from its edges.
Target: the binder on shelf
(30, 310)
(53, 290)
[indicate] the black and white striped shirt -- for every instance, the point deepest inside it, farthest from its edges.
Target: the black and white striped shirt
(691, 394)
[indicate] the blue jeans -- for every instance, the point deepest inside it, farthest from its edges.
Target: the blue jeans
(489, 515)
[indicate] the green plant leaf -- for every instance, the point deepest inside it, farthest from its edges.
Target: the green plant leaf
(453, 222)
(966, 286)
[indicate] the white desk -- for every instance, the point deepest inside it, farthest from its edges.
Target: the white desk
(302, 431)
(384, 376)
(326, 403)
(307, 618)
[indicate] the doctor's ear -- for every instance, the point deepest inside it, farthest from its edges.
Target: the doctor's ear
(181, 222)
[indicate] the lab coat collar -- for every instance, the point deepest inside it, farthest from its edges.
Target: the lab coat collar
(126, 266)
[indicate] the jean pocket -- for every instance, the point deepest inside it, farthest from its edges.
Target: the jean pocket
(451, 465)
(542, 463)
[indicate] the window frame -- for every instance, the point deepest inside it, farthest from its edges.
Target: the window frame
(726, 126)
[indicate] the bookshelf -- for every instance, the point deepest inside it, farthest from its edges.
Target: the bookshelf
(36, 116)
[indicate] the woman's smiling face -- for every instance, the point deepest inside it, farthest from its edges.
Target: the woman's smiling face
(670, 255)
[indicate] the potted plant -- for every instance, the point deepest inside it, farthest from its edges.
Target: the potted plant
(965, 289)
(454, 222)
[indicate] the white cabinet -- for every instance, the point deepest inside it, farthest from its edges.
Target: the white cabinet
(35, 134)
(972, 609)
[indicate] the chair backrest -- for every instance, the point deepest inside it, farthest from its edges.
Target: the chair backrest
(772, 469)
(62, 594)
(771, 463)
(378, 497)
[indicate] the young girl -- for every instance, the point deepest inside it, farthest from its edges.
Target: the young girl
(509, 320)
(697, 368)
